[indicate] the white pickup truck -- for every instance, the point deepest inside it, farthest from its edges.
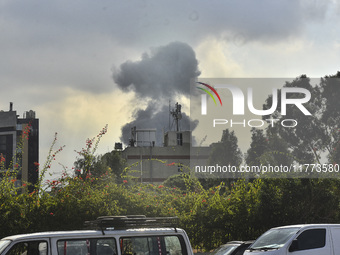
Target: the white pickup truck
(109, 236)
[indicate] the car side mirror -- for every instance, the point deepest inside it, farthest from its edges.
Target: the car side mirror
(294, 246)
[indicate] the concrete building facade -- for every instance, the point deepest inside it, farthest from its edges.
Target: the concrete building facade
(154, 164)
(20, 154)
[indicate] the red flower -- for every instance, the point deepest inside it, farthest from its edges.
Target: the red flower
(125, 181)
(2, 159)
(160, 186)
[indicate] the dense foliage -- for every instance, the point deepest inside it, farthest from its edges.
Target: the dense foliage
(210, 216)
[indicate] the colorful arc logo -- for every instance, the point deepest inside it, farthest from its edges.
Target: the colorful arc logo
(209, 93)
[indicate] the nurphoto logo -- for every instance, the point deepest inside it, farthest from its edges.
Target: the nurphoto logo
(238, 99)
(204, 96)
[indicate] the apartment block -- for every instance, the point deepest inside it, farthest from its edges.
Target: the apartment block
(19, 144)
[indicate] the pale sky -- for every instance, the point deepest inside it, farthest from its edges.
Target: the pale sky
(58, 58)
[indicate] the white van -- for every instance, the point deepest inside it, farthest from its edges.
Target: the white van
(109, 236)
(307, 239)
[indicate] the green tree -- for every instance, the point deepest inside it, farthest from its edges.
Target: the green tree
(277, 152)
(183, 182)
(330, 88)
(224, 153)
(258, 146)
(268, 150)
(305, 139)
(112, 162)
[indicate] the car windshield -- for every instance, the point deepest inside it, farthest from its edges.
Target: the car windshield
(4, 244)
(274, 238)
(224, 250)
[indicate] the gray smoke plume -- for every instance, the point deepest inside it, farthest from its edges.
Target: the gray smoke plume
(153, 117)
(157, 78)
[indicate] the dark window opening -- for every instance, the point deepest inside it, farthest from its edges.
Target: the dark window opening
(153, 245)
(29, 248)
(6, 149)
(179, 139)
(312, 239)
(93, 246)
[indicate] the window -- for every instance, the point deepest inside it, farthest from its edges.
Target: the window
(29, 248)
(3, 141)
(179, 139)
(241, 250)
(312, 239)
(6, 148)
(275, 238)
(173, 245)
(102, 246)
(153, 245)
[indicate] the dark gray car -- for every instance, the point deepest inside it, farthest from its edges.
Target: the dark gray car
(232, 248)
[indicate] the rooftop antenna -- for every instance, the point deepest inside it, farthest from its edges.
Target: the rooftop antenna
(177, 115)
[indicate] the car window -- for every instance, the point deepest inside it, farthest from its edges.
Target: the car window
(93, 246)
(224, 250)
(29, 248)
(241, 250)
(153, 245)
(274, 238)
(312, 239)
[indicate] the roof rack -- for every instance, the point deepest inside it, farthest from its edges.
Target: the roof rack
(131, 221)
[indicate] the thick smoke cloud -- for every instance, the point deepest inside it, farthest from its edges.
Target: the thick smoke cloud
(167, 70)
(157, 78)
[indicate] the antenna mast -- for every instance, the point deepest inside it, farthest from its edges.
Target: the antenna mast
(177, 115)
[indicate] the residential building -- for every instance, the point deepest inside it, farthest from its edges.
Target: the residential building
(19, 144)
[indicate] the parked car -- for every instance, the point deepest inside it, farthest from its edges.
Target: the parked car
(232, 248)
(105, 236)
(306, 239)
